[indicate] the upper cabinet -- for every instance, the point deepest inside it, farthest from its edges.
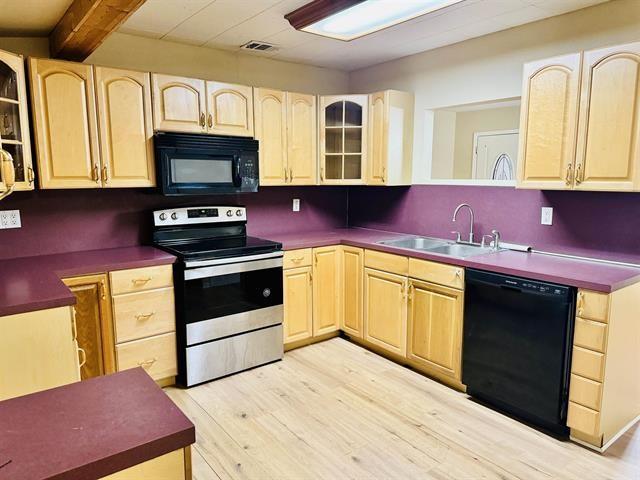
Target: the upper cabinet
(608, 151)
(580, 121)
(285, 125)
(183, 104)
(14, 121)
(390, 138)
(92, 126)
(343, 139)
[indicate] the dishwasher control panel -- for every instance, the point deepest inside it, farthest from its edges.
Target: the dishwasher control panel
(522, 284)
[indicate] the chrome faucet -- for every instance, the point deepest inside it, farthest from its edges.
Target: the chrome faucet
(455, 214)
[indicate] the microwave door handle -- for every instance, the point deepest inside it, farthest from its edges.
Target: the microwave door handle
(237, 179)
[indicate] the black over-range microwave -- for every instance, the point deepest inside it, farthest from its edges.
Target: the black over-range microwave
(192, 164)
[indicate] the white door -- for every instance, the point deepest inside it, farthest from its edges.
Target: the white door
(495, 155)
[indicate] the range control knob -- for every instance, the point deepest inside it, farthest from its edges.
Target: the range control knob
(174, 216)
(163, 216)
(229, 213)
(239, 213)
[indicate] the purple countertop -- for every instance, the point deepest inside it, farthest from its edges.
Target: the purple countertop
(34, 283)
(89, 429)
(600, 277)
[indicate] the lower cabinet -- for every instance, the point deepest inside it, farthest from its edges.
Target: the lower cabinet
(352, 259)
(298, 304)
(38, 351)
(435, 329)
(326, 283)
(385, 310)
(174, 465)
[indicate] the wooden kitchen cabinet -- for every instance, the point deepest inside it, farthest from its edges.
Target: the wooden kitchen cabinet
(65, 126)
(548, 123)
(298, 304)
(94, 324)
(326, 285)
(14, 120)
(608, 148)
(179, 103)
(343, 139)
(229, 109)
(125, 125)
(435, 329)
(390, 153)
(302, 134)
(174, 465)
(351, 320)
(38, 351)
(385, 310)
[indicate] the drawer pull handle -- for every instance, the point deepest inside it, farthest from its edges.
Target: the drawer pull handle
(147, 363)
(145, 316)
(140, 281)
(297, 260)
(84, 357)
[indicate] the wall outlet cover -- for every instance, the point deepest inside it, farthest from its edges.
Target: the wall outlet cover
(296, 204)
(546, 217)
(10, 219)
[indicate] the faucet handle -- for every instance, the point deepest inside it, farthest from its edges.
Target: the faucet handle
(458, 236)
(496, 239)
(483, 243)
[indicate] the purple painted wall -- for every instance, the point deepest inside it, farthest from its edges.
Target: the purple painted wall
(55, 221)
(598, 224)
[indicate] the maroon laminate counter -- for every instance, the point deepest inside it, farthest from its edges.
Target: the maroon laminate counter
(34, 283)
(89, 429)
(600, 277)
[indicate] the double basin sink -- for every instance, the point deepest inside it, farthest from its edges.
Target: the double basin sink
(438, 246)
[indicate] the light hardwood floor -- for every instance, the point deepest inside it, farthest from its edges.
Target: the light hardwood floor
(336, 411)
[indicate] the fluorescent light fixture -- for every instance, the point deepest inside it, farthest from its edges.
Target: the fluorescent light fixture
(372, 15)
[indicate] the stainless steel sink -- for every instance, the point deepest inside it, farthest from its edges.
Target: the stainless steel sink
(437, 245)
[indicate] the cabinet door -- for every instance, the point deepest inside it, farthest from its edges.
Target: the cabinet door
(608, 156)
(352, 271)
(179, 103)
(94, 327)
(435, 328)
(326, 285)
(378, 128)
(548, 123)
(38, 351)
(298, 304)
(302, 132)
(385, 310)
(230, 109)
(343, 139)
(64, 118)
(271, 132)
(14, 119)
(125, 125)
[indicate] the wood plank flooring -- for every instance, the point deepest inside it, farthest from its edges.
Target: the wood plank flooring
(334, 410)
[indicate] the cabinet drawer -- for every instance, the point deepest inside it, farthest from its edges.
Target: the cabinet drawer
(588, 363)
(440, 273)
(586, 392)
(140, 279)
(583, 419)
(386, 262)
(590, 334)
(593, 305)
(144, 314)
(157, 355)
(297, 258)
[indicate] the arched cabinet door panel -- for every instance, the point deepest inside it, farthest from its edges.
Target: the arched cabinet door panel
(125, 125)
(270, 129)
(179, 104)
(229, 109)
(301, 138)
(64, 118)
(608, 152)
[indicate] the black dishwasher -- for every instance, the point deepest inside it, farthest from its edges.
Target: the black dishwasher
(517, 346)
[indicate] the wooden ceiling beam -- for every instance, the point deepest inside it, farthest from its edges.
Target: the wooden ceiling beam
(86, 24)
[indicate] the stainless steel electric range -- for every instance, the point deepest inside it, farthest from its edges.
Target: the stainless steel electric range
(228, 290)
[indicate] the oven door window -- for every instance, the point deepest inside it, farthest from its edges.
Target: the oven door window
(222, 295)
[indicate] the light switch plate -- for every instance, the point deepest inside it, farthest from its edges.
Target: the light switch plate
(296, 204)
(546, 217)
(10, 219)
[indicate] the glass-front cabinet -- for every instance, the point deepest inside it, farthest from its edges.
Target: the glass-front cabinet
(14, 123)
(343, 139)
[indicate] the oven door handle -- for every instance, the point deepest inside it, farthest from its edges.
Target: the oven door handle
(227, 260)
(230, 268)
(235, 166)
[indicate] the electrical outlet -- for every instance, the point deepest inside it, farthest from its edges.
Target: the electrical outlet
(546, 217)
(10, 219)
(296, 204)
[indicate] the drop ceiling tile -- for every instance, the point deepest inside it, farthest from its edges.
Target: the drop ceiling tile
(155, 18)
(290, 38)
